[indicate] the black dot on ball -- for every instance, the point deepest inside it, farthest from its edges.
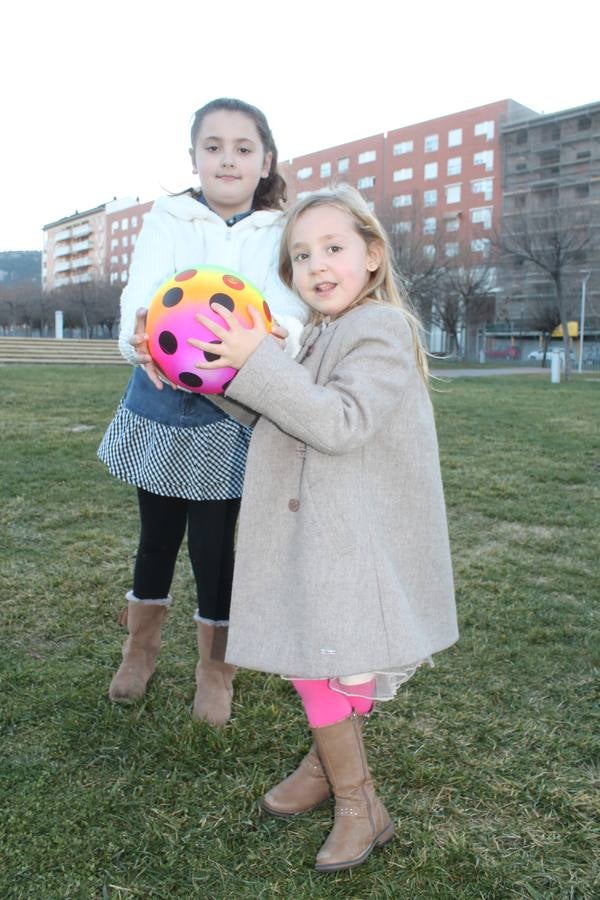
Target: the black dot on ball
(226, 385)
(210, 357)
(172, 297)
(222, 300)
(167, 342)
(190, 380)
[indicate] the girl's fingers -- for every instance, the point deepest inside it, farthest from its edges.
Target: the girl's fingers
(213, 326)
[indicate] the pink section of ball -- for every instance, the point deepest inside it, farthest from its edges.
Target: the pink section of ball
(180, 322)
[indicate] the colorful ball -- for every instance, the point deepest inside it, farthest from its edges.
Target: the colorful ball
(171, 321)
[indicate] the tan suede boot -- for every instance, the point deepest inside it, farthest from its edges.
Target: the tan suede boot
(361, 820)
(214, 677)
(303, 790)
(144, 622)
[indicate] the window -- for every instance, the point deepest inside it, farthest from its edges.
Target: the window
(480, 245)
(482, 216)
(343, 164)
(455, 137)
(401, 227)
(325, 170)
(431, 170)
(114, 226)
(403, 147)
(582, 190)
(430, 198)
(134, 221)
(125, 224)
(402, 200)
(367, 182)
(125, 241)
(452, 249)
(114, 276)
(114, 260)
(454, 166)
(124, 259)
(483, 186)
(452, 224)
(583, 123)
(521, 136)
(583, 154)
(133, 239)
(403, 174)
(432, 143)
(429, 226)
(367, 156)
(484, 129)
(304, 173)
(114, 243)
(123, 275)
(484, 158)
(371, 205)
(429, 251)
(453, 193)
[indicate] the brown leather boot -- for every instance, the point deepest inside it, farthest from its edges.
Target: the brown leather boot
(214, 677)
(303, 790)
(361, 820)
(144, 622)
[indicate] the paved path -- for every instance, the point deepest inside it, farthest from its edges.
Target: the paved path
(477, 373)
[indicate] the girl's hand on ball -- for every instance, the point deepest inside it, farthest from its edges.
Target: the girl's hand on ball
(237, 343)
(139, 341)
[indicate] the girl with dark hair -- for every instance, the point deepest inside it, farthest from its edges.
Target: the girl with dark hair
(186, 453)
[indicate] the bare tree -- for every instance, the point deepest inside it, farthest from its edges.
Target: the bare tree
(553, 243)
(469, 282)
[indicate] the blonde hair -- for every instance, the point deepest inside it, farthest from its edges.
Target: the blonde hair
(385, 284)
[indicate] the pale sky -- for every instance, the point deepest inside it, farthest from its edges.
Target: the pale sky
(97, 98)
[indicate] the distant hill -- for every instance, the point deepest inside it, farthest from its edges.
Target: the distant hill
(18, 266)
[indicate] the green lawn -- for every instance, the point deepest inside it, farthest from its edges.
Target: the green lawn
(489, 763)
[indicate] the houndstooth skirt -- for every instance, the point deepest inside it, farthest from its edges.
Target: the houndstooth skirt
(175, 444)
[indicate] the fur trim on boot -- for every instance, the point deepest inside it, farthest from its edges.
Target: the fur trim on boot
(144, 622)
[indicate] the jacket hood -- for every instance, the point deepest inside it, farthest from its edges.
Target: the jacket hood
(182, 206)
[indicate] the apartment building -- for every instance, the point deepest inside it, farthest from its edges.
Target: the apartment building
(123, 224)
(442, 176)
(551, 185)
(93, 245)
(74, 249)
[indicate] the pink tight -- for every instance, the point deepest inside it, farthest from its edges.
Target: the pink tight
(326, 707)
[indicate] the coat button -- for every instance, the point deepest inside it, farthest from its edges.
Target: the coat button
(294, 505)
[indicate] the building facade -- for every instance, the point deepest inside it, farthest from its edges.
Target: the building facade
(551, 187)
(443, 176)
(94, 245)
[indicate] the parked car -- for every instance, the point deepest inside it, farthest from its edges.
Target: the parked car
(538, 355)
(503, 353)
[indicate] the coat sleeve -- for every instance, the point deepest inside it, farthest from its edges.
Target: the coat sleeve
(374, 361)
(153, 261)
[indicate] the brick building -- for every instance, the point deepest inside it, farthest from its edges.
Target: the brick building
(443, 175)
(94, 245)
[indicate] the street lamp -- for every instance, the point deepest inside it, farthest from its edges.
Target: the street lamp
(582, 320)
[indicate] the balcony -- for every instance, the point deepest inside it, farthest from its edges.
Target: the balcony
(81, 245)
(82, 230)
(64, 250)
(63, 235)
(80, 279)
(81, 263)
(63, 266)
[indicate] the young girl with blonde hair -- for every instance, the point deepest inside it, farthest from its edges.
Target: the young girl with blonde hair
(343, 578)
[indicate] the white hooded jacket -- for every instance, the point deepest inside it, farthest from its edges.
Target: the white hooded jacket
(181, 233)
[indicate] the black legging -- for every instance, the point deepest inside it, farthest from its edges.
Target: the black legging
(211, 529)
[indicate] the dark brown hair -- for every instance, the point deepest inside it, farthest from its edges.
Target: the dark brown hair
(271, 191)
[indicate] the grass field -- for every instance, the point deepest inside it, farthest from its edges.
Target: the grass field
(489, 763)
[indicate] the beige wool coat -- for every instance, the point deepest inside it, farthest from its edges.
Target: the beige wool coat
(343, 562)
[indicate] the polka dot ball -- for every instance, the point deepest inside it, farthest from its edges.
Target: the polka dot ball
(171, 320)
